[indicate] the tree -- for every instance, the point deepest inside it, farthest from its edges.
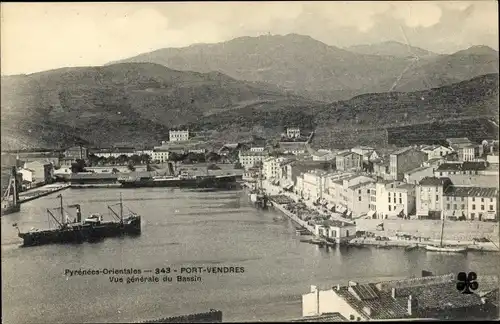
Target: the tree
(145, 158)
(78, 166)
(131, 167)
(93, 159)
(238, 165)
(122, 159)
(135, 159)
(212, 157)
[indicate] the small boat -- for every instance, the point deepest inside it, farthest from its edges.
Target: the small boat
(411, 247)
(449, 249)
(445, 248)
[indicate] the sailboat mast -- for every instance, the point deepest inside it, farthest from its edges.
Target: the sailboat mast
(14, 186)
(121, 207)
(442, 229)
(62, 211)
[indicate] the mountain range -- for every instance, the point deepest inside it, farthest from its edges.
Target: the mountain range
(271, 82)
(308, 67)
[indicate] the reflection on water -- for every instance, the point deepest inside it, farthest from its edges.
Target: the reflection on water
(190, 228)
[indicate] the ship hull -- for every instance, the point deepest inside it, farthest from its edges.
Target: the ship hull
(196, 183)
(448, 249)
(11, 210)
(82, 233)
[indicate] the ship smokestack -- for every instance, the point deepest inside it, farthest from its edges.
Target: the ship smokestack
(78, 214)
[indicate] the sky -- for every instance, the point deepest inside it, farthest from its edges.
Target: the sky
(43, 36)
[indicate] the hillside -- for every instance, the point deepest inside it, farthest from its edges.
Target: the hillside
(133, 102)
(447, 69)
(311, 68)
(391, 48)
(472, 99)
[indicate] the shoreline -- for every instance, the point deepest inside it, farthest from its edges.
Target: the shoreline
(41, 192)
(393, 242)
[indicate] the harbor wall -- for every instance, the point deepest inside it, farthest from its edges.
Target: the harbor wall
(208, 317)
(456, 231)
(294, 217)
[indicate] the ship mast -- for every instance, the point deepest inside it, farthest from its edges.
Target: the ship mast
(14, 176)
(442, 229)
(121, 208)
(62, 210)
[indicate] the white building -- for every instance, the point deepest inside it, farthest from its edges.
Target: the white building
(160, 155)
(293, 132)
(471, 203)
(313, 184)
(394, 199)
(178, 135)
(429, 197)
(249, 159)
(257, 149)
(340, 231)
(414, 176)
(436, 151)
(323, 155)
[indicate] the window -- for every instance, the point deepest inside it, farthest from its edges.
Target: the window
(448, 206)
(454, 198)
(400, 200)
(472, 215)
(462, 198)
(399, 194)
(447, 198)
(482, 199)
(440, 173)
(491, 199)
(473, 207)
(368, 191)
(482, 207)
(437, 197)
(491, 207)
(394, 199)
(463, 206)
(389, 207)
(359, 198)
(455, 206)
(359, 192)
(473, 199)
(389, 199)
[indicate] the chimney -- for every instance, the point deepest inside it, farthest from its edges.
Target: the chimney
(352, 283)
(412, 306)
(367, 310)
(393, 292)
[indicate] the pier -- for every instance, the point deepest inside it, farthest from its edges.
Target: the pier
(41, 192)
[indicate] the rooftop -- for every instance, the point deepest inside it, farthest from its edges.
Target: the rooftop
(459, 191)
(466, 166)
(401, 150)
(345, 153)
(325, 317)
(380, 304)
(252, 153)
(433, 181)
(458, 140)
(336, 223)
(361, 184)
(417, 170)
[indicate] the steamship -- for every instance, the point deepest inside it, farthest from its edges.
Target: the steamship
(90, 229)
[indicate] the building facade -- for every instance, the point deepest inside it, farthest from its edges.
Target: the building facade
(250, 159)
(404, 160)
(429, 197)
(436, 151)
(178, 135)
(394, 199)
(293, 132)
(414, 176)
(471, 203)
(348, 161)
(76, 152)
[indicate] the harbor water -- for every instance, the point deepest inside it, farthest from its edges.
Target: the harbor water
(188, 228)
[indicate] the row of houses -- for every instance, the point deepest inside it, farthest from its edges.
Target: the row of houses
(342, 184)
